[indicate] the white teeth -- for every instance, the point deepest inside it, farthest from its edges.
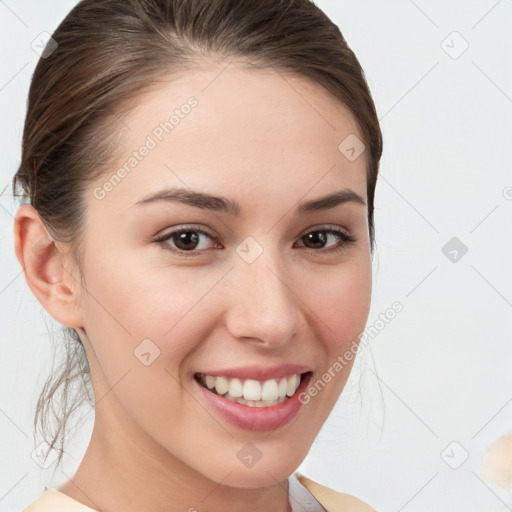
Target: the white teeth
(235, 388)
(255, 403)
(252, 392)
(283, 386)
(269, 390)
(293, 384)
(221, 385)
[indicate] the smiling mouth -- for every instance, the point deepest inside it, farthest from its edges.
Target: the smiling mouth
(251, 392)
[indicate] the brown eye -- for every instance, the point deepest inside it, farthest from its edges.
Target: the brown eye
(318, 239)
(188, 240)
(184, 240)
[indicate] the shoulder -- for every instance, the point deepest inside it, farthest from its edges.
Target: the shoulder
(334, 501)
(52, 500)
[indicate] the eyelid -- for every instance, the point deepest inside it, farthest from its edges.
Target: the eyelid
(326, 227)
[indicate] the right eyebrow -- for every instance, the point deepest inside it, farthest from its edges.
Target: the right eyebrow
(193, 198)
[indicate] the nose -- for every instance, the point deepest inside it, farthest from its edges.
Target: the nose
(262, 305)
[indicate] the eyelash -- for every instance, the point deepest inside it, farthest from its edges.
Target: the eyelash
(346, 238)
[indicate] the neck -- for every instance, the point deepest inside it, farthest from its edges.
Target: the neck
(131, 479)
(124, 470)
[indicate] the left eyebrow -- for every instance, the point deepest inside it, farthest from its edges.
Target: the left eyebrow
(217, 203)
(330, 201)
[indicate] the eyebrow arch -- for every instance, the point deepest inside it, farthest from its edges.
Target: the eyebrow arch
(223, 204)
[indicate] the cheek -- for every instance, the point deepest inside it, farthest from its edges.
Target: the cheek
(152, 316)
(341, 297)
(143, 333)
(339, 302)
(146, 301)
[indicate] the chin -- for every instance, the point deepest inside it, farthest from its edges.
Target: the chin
(263, 473)
(253, 479)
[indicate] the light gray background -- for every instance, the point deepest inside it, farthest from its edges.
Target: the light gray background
(441, 370)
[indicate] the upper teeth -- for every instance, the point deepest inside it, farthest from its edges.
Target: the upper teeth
(254, 390)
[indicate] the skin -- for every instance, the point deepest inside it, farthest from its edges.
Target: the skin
(268, 141)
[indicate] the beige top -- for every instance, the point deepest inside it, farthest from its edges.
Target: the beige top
(305, 495)
(52, 500)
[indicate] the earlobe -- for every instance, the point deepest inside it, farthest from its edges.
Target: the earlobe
(43, 265)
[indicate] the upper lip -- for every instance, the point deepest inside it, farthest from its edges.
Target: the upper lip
(260, 373)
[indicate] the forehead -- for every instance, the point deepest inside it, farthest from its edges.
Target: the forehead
(223, 126)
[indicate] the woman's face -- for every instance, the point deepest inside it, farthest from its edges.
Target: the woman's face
(248, 293)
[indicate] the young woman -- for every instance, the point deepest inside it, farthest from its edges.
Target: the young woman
(199, 178)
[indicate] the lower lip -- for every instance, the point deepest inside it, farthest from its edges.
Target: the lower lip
(259, 419)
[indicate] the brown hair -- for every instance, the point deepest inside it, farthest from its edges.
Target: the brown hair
(107, 52)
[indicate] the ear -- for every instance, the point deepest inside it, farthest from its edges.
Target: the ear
(45, 269)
